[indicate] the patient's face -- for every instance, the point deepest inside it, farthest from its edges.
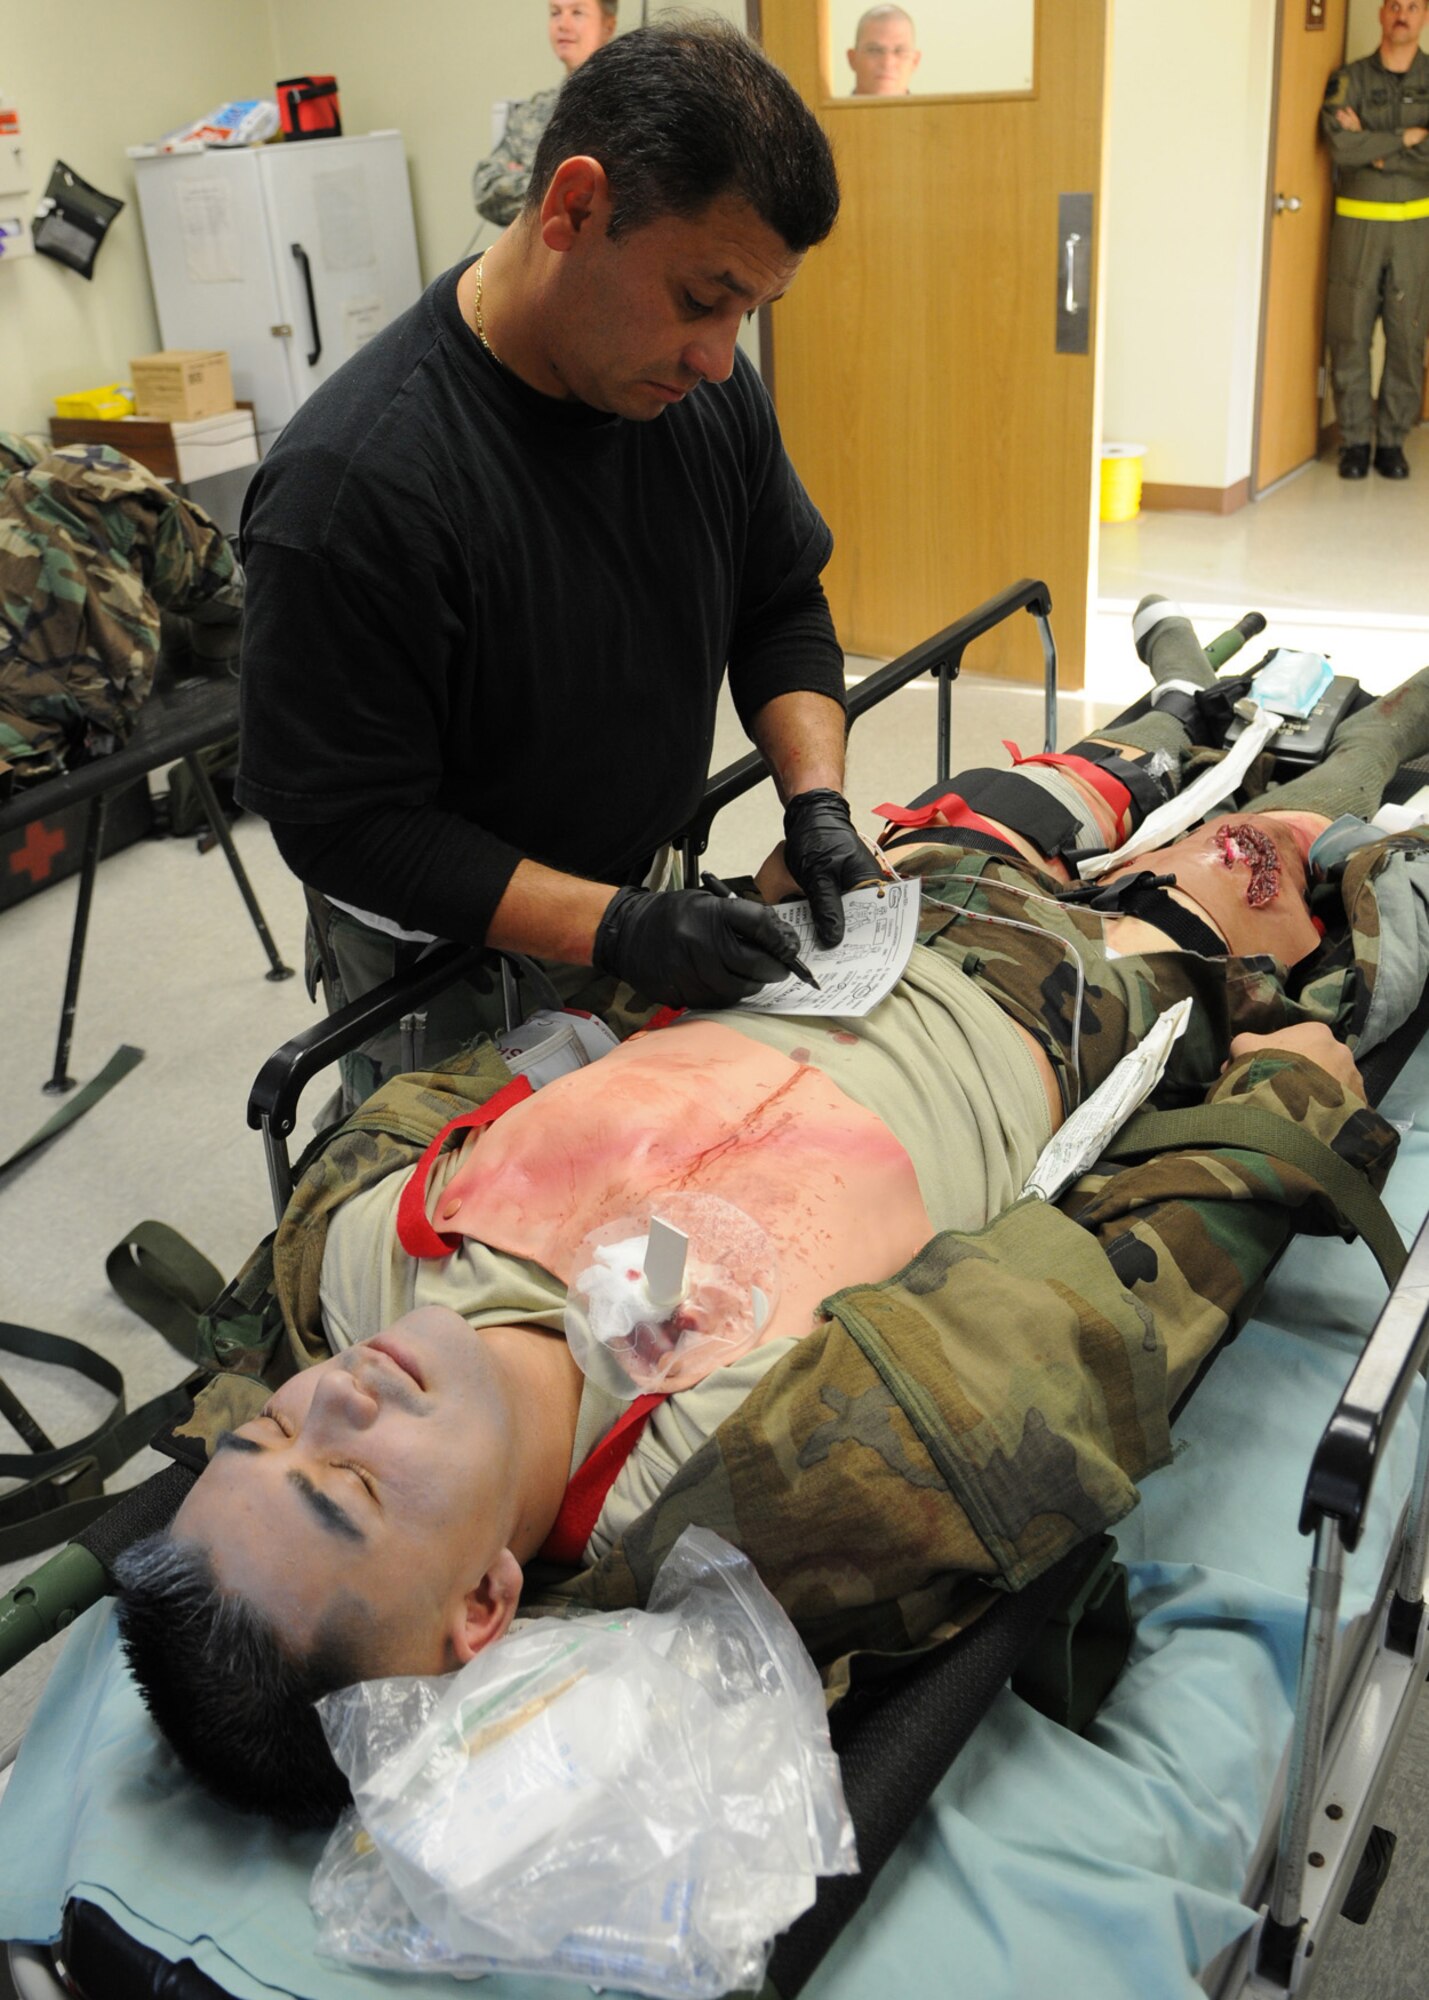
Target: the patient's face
(382, 1474)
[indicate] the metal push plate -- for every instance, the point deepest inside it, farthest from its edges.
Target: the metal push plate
(1074, 273)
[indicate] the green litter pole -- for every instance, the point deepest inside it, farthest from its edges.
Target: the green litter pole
(48, 1600)
(1227, 644)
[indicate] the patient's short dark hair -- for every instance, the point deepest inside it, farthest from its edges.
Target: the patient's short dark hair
(235, 1706)
(684, 112)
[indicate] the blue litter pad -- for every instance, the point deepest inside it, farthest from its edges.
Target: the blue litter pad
(1105, 1867)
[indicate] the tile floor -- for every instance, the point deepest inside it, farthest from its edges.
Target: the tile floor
(1338, 566)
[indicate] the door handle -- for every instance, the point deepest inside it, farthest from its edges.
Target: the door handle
(1074, 272)
(307, 270)
(1284, 201)
(1070, 302)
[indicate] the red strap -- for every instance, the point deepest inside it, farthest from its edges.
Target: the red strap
(591, 1483)
(414, 1232)
(1096, 775)
(949, 810)
(917, 815)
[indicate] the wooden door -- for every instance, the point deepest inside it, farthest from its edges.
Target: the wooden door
(915, 364)
(1301, 202)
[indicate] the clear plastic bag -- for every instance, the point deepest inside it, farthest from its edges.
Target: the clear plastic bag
(629, 1342)
(640, 1799)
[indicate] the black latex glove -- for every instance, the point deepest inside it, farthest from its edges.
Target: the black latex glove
(826, 857)
(692, 949)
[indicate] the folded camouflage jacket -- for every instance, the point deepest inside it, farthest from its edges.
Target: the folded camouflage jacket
(91, 546)
(946, 1434)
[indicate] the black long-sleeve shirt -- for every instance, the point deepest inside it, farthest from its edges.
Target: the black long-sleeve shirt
(482, 623)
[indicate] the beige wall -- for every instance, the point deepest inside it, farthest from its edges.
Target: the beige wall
(431, 68)
(1185, 212)
(90, 77)
(1361, 28)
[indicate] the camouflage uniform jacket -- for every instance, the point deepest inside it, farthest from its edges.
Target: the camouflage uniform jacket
(498, 183)
(938, 1437)
(91, 545)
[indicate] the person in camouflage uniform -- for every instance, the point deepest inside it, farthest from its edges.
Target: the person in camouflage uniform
(92, 547)
(1376, 119)
(498, 183)
(936, 1437)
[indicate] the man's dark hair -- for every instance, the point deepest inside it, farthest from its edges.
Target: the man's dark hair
(234, 1705)
(684, 112)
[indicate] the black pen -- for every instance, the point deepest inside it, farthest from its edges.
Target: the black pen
(718, 888)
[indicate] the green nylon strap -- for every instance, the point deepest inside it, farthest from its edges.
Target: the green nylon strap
(63, 1490)
(161, 1277)
(85, 1098)
(1247, 1129)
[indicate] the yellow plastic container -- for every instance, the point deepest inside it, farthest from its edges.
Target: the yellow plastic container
(86, 404)
(1121, 481)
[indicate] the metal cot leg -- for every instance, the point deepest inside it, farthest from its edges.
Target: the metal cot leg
(1049, 679)
(60, 1080)
(219, 823)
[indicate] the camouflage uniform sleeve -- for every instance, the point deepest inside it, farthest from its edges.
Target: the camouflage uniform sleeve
(499, 182)
(1193, 1234)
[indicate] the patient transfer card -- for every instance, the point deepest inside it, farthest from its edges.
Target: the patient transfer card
(880, 930)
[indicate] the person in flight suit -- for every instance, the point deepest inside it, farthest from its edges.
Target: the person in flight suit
(1376, 118)
(577, 28)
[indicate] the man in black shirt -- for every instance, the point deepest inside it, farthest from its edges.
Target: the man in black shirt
(498, 564)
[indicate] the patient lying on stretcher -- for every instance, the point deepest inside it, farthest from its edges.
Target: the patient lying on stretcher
(376, 1517)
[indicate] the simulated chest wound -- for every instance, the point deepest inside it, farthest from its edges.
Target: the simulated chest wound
(1252, 848)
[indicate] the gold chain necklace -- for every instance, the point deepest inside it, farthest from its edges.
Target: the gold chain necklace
(476, 313)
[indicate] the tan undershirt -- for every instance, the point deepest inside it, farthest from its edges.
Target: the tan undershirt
(968, 1094)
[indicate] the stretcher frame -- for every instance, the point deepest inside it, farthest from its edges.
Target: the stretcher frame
(1356, 1692)
(1355, 1695)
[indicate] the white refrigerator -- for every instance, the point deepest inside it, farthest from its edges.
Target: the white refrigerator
(288, 256)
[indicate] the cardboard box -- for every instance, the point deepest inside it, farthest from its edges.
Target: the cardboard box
(182, 382)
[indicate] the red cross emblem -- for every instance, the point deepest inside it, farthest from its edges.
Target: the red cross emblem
(41, 845)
